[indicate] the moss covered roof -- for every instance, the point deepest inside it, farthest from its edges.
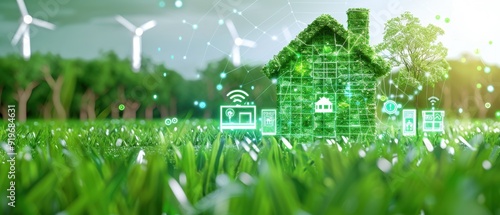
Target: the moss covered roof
(375, 63)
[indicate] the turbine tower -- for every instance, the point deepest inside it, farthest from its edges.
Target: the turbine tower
(237, 43)
(136, 41)
(24, 29)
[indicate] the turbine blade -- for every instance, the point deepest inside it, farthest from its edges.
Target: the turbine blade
(20, 31)
(26, 45)
(232, 29)
(136, 53)
(236, 56)
(148, 25)
(248, 43)
(44, 24)
(22, 7)
(125, 23)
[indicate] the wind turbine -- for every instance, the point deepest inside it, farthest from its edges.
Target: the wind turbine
(237, 43)
(136, 41)
(24, 29)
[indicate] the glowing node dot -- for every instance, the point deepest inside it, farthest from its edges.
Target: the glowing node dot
(479, 68)
(155, 96)
(490, 88)
(274, 38)
(178, 3)
(161, 4)
(195, 26)
(438, 17)
(420, 87)
(487, 105)
(446, 76)
(180, 38)
(196, 103)
(274, 81)
(252, 87)
(219, 87)
(183, 21)
(184, 57)
(221, 22)
(487, 70)
(463, 60)
(427, 74)
(164, 74)
(223, 75)
(447, 20)
(497, 114)
(172, 57)
(479, 86)
(491, 42)
(460, 110)
(203, 105)
(208, 43)
(121, 107)
(159, 49)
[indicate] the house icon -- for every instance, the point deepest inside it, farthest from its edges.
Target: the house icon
(327, 65)
(324, 105)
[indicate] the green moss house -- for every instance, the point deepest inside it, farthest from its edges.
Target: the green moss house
(326, 80)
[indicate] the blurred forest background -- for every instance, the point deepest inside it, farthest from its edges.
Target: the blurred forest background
(50, 87)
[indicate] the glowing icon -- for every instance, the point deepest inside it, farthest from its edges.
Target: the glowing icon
(169, 121)
(238, 116)
(433, 100)
(409, 122)
(391, 107)
(268, 122)
(323, 105)
(433, 121)
(121, 107)
(237, 96)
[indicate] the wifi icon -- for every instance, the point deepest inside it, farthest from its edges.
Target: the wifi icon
(237, 96)
(433, 100)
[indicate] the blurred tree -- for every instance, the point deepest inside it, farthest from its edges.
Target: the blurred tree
(27, 76)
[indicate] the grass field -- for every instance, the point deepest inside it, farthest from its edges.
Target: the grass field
(98, 168)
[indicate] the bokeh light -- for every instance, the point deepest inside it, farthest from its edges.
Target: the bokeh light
(490, 88)
(223, 75)
(121, 107)
(487, 70)
(479, 86)
(219, 87)
(178, 3)
(487, 105)
(161, 3)
(203, 105)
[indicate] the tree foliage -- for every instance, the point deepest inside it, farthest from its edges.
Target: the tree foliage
(415, 50)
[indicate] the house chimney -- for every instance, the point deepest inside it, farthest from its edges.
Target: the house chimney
(358, 22)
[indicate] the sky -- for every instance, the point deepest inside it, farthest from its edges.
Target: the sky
(191, 33)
